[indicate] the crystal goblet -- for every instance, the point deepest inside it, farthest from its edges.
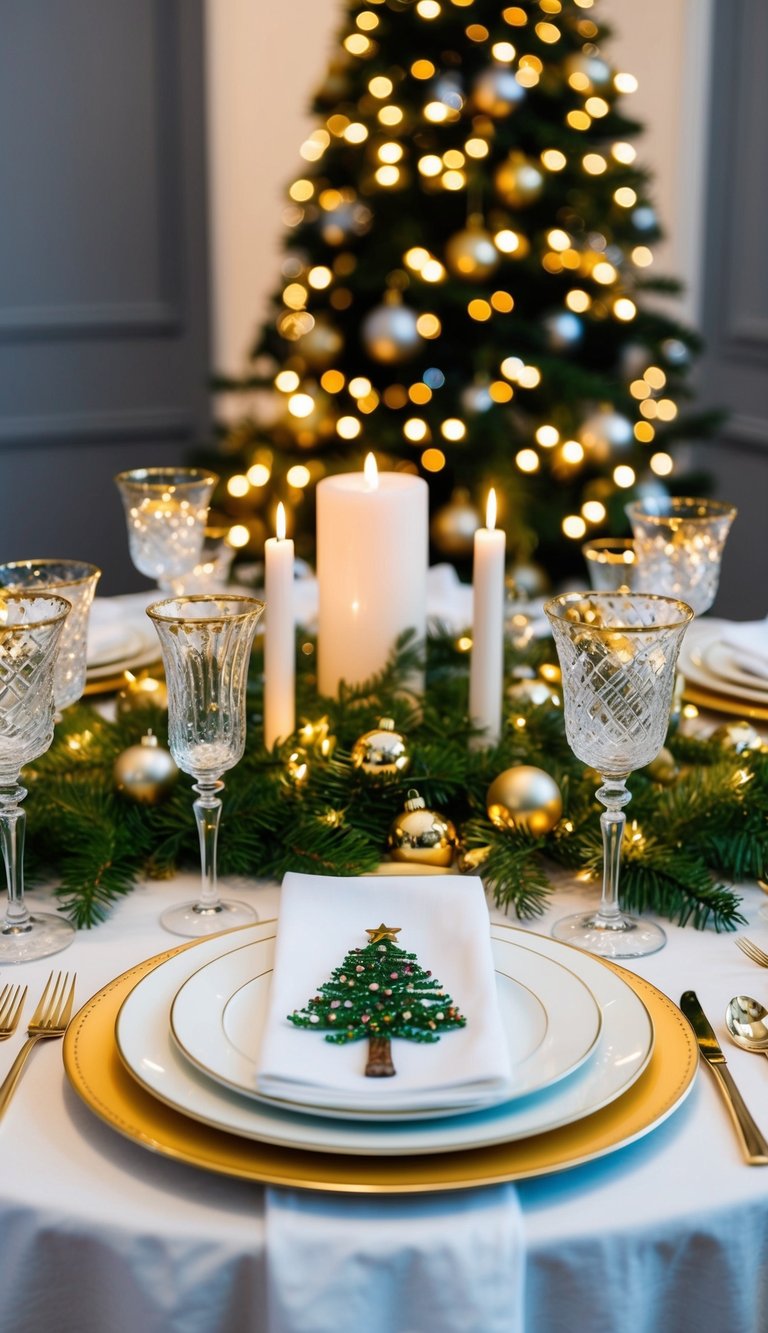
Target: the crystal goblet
(679, 545)
(206, 642)
(166, 510)
(611, 563)
(617, 653)
(31, 625)
(75, 581)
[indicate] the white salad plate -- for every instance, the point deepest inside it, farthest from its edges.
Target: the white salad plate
(149, 1052)
(550, 1019)
(701, 639)
(722, 661)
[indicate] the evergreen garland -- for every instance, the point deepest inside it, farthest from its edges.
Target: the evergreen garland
(685, 842)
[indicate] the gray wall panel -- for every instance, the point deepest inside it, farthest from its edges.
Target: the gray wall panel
(103, 297)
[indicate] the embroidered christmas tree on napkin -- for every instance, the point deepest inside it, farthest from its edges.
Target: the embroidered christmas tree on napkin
(380, 992)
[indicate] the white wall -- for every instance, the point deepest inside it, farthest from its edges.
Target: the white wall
(264, 59)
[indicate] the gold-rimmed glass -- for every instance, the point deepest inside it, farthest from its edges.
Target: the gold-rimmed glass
(206, 641)
(166, 511)
(617, 653)
(679, 544)
(75, 581)
(611, 563)
(31, 625)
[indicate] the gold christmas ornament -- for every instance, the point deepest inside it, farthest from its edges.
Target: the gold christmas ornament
(321, 345)
(421, 836)
(145, 773)
(140, 692)
(524, 798)
(519, 180)
(381, 752)
(737, 736)
(471, 253)
(452, 529)
(663, 769)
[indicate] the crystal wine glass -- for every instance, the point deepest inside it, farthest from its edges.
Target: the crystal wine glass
(206, 644)
(611, 563)
(679, 545)
(166, 510)
(617, 654)
(31, 626)
(75, 581)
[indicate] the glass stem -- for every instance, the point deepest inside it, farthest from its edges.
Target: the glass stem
(207, 810)
(614, 796)
(13, 821)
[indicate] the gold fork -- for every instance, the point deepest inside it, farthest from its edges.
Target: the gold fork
(49, 1020)
(11, 1004)
(753, 951)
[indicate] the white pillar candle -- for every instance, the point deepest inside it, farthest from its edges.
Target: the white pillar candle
(486, 674)
(279, 636)
(372, 555)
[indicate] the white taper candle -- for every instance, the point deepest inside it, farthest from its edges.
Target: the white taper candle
(279, 640)
(486, 673)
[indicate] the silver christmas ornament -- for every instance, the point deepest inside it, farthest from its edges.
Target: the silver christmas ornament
(604, 432)
(675, 352)
(146, 772)
(471, 253)
(496, 91)
(563, 329)
(390, 334)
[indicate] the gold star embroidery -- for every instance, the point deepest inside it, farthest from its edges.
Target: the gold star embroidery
(382, 932)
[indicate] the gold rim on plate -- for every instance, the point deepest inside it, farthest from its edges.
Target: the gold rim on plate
(724, 703)
(97, 1074)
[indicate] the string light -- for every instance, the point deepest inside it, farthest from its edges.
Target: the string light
(507, 241)
(500, 392)
(641, 256)
(428, 9)
(548, 436)
(259, 474)
(415, 429)
(367, 20)
(433, 460)
(527, 460)
(572, 452)
(298, 476)
(578, 120)
(387, 176)
(380, 86)
(454, 180)
(604, 273)
(286, 381)
(423, 69)
(547, 32)
(625, 197)
(594, 164)
(357, 44)
(390, 115)
(348, 428)
(238, 486)
(453, 429)
(320, 277)
(593, 511)
(661, 464)
(624, 309)
(597, 107)
(238, 535)
(430, 164)
(479, 310)
(625, 83)
(553, 159)
(624, 153)
(332, 381)
(504, 52)
(477, 148)
(655, 376)
(644, 432)
(573, 526)
(301, 405)
(578, 300)
(429, 326)
(390, 152)
(359, 386)
(624, 476)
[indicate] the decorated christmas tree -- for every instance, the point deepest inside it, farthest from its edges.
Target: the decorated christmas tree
(380, 992)
(466, 282)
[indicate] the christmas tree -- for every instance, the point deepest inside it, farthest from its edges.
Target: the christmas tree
(380, 992)
(465, 284)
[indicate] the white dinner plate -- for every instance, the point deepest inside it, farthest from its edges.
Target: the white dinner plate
(152, 1057)
(722, 661)
(550, 1019)
(698, 638)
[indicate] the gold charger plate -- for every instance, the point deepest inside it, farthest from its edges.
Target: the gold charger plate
(97, 1074)
(724, 703)
(111, 684)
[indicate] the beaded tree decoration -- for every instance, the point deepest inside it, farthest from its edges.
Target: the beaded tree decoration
(380, 992)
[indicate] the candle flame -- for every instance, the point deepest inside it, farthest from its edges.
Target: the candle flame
(371, 472)
(490, 509)
(280, 522)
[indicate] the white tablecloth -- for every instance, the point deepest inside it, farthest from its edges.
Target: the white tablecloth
(99, 1236)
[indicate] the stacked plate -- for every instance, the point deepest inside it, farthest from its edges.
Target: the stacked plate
(168, 1055)
(120, 638)
(716, 673)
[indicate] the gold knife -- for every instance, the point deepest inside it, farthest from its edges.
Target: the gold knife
(754, 1145)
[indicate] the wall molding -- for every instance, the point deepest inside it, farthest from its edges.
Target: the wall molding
(93, 428)
(117, 319)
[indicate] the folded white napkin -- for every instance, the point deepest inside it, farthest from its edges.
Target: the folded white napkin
(444, 921)
(749, 640)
